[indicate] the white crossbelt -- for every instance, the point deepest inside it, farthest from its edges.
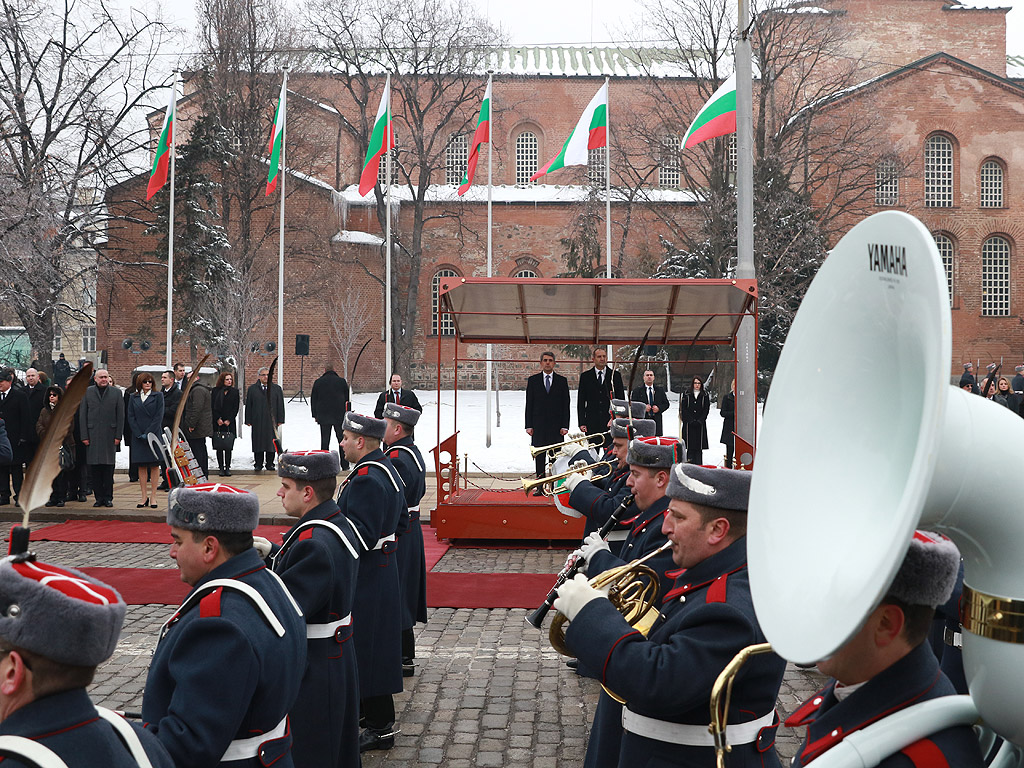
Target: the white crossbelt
(954, 639)
(245, 749)
(692, 735)
(415, 509)
(19, 746)
(320, 631)
(381, 542)
(128, 736)
(617, 536)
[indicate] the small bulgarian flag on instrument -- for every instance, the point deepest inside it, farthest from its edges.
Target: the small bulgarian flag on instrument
(716, 118)
(590, 132)
(164, 147)
(277, 138)
(381, 140)
(482, 135)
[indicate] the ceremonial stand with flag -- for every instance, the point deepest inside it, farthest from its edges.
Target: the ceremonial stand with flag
(276, 148)
(163, 167)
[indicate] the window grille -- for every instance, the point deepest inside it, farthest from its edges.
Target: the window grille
(995, 277)
(938, 172)
(447, 324)
(945, 246)
(526, 157)
(668, 170)
(887, 183)
(991, 184)
(456, 159)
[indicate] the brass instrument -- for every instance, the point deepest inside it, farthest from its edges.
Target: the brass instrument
(723, 686)
(547, 484)
(633, 589)
(580, 438)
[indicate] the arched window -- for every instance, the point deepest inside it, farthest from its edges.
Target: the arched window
(938, 172)
(383, 166)
(525, 273)
(526, 156)
(732, 157)
(946, 251)
(446, 326)
(991, 184)
(995, 277)
(887, 183)
(668, 168)
(456, 157)
(595, 166)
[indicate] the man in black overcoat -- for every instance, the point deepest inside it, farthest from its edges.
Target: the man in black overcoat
(598, 385)
(172, 395)
(547, 408)
(258, 416)
(328, 405)
(14, 410)
(968, 379)
(35, 391)
(395, 394)
(655, 399)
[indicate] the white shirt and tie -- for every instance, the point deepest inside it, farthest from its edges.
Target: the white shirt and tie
(547, 382)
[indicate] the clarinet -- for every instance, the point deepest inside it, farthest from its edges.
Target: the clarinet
(573, 565)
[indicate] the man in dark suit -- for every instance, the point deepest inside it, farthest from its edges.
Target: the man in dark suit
(395, 394)
(598, 385)
(172, 395)
(14, 408)
(547, 408)
(654, 397)
(328, 405)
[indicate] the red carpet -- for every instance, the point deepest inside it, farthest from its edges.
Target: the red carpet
(488, 590)
(115, 531)
(143, 586)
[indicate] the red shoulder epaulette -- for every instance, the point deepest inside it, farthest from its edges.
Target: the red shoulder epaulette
(210, 604)
(363, 471)
(393, 454)
(805, 711)
(716, 592)
(305, 533)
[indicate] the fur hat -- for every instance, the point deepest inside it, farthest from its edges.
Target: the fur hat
(402, 414)
(213, 507)
(654, 452)
(365, 425)
(990, 367)
(718, 488)
(928, 573)
(308, 465)
(636, 428)
(1019, 369)
(968, 365)
(621, 409)
(59, 613)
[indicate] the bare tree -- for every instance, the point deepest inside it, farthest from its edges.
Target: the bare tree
(439, 47)
(71, 74)
(347, 319)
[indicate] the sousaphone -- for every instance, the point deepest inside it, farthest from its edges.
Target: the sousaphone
(864, 440)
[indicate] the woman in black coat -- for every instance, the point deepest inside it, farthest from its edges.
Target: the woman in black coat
(59, 489)
(145, 414)
(224, 402)
(728, 411)
(694, 406)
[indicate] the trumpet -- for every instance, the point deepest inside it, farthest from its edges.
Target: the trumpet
(602, 436)
(547, 484)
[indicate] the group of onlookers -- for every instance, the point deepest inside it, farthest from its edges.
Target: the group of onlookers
(1008, 393)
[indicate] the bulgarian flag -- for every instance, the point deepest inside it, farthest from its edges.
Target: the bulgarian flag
(277, 138)
(482, 135)
(716, 118)
(590, 132)
(381, 140)
(158, 176)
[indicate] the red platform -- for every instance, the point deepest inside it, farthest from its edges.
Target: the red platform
(482, 514)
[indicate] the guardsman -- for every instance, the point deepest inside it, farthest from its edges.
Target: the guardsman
(887, 666)
(705, 620)
(56, 626)
(372, 497)
(318, 562)
(412, 560)
(227, 667)
(596, 501)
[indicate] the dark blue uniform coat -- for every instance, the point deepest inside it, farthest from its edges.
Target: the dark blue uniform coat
(221, 673)
(705, 620)
(644, 537)
(597, 503)
(412, 560)
(67, 724)
(370, 502)
(320, 572)
(913, 679)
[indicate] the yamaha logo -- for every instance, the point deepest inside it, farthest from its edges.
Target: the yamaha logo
(891, 259)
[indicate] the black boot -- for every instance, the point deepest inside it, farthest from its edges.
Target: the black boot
(377, 738)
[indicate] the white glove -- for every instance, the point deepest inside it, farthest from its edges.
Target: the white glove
(577, 556)
(575, 594)
(592, 545)
(262, 546)
(573, 480)
(570, 449)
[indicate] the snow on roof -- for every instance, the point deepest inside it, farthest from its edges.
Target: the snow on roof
(1015, 67)
(962, 7)
(540, 193)
(357, 237)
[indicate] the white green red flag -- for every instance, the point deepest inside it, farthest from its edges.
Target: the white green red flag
(716, 118)
(482, 135)
(164, 147)
(277, 139)
(382, 138)
(590, 132)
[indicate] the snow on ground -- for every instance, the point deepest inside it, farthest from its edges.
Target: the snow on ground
(510, 445)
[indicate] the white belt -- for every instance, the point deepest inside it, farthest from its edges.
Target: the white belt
(244, 749)
(415, 509)
(617, 536)
(381, 542)
(692, 735)
(954, 639)
(320, 631)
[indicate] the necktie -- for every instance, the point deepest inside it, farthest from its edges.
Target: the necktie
(398, 397)
(600, 378)
(650, 395)
(547, 382)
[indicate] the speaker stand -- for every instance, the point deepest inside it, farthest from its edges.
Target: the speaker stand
(300, 395)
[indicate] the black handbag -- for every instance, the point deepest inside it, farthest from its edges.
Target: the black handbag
(223, 440)
(65, 458)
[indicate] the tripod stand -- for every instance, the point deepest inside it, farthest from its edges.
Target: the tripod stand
(301, 394)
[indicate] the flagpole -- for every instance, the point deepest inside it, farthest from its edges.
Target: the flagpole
(280, 249)
(387, 239)
(608, 195)
(490, 196)
(170, 231)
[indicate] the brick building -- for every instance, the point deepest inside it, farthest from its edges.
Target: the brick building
(937, 76)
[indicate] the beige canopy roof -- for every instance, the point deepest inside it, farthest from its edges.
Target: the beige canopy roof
(580, 311)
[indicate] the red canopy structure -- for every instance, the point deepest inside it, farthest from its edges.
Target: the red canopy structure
(555, 312)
